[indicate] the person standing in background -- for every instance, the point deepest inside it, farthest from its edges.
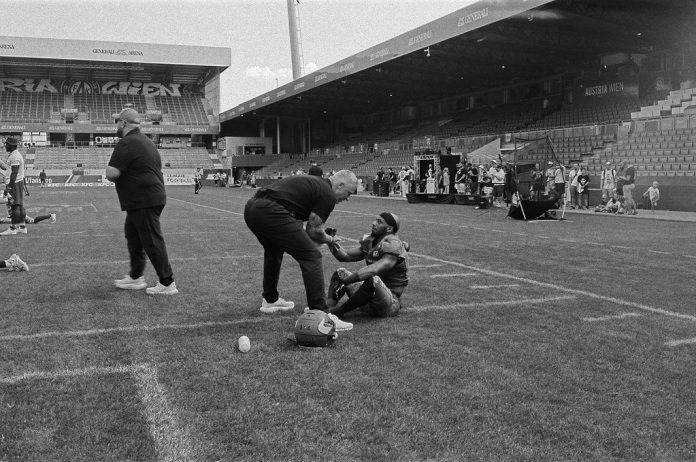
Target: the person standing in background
(14, 187)
(136, 169)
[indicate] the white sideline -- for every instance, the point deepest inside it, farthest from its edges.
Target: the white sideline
(171, 441)
(493, 286)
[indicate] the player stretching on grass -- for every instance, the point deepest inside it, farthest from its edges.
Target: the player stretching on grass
(28, 219)
(376, 288)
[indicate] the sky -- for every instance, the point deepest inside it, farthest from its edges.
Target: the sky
(256, 31)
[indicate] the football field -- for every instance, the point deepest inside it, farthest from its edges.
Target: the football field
(544, 340)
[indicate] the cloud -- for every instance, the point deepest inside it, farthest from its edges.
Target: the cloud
(310, 67)
(282, 74)
(266, 73)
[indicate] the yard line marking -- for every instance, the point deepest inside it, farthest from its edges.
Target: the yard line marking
(660, 252)
(548, 285)
(621, 247)
(121, 262)
(543, 237)
(497, 231)
(492, 303)
(135, 329)
(611, 316)
(452, 275)
(171, 441)
(494, 286)
(690, 256)
(567, 240)
(519, 234)
(425, 266)
(206, 206)
(686, 341)
(87, 371)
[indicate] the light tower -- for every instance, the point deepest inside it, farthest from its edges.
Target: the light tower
(295, 39)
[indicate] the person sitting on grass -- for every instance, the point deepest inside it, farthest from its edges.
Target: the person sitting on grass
(613, 205)
(375, 289)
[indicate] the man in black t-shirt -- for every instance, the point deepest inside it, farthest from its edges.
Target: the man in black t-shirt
(276, 214)
(136, 169)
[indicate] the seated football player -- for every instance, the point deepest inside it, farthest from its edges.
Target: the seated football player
(375, 289)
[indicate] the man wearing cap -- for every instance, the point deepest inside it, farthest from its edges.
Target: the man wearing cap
(608, 182)
(376, 288)
(136, 169)
(14, 187)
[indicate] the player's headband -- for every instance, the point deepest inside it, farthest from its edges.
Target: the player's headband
(391, 220)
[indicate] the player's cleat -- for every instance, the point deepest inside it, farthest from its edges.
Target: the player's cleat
(129, 283)
(278, 305)
(22, 230)
(160, 289)
(9, 232)
(53, 218)
(16, 264)
(341, 326)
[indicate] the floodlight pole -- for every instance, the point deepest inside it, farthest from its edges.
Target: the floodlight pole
(295, 39)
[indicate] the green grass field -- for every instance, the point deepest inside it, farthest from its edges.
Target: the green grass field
(556, 340)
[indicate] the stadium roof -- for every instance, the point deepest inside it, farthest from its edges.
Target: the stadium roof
(489, 44)
(41, 58)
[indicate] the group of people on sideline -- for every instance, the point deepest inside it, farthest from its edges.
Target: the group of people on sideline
(572, 187)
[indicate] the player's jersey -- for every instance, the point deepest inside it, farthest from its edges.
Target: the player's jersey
(389, 245)
(15, 159)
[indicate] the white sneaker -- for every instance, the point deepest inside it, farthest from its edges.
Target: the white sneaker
(9, 232)
(53, 218)
(130, 283)
(22, 230)
(160, 289)
(278, 305)
(16, 263)
(341, 326)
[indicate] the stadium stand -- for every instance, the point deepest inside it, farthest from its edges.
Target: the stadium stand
(98, 158)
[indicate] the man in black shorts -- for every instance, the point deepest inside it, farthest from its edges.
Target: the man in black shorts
(276, 214)
(376, 288)
(136, 168)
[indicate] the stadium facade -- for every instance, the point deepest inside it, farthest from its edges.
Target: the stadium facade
(601, 81)
(59, 95)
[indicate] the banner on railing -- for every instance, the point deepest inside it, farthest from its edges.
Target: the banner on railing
(93, 87)
(14, 127)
